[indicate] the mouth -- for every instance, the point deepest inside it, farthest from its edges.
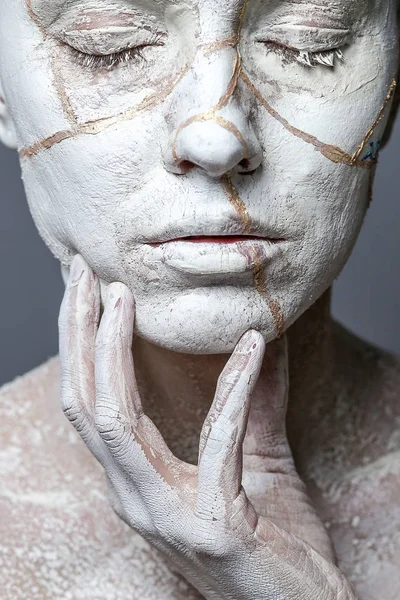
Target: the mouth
(219, 239)
(219, 255)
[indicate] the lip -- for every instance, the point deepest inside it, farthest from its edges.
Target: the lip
(234, 256)
(223, 223)
(218, 239)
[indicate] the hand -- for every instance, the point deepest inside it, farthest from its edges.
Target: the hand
(199, 516)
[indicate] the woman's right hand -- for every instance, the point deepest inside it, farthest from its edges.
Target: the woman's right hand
(199, 516)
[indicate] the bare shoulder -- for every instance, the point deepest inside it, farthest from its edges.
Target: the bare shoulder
(361, 485)
(59, 539)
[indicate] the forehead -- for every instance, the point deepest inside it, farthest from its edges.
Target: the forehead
(49, 9)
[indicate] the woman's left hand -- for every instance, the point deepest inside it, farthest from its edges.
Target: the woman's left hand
(199, 516)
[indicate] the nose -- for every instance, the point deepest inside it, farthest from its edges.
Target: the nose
(209, 127)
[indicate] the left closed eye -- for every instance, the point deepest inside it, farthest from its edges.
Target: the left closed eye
(307, 58)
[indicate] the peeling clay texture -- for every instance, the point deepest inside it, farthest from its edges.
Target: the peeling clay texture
(139, 123)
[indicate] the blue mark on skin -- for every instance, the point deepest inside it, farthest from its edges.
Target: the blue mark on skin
(373, 150)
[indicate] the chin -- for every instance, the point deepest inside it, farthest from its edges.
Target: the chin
(203, 322)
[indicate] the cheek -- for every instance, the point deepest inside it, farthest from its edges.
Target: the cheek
(76, 188)
(335, 215)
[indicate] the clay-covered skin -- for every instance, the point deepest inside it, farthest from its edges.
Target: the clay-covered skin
(60, 539)
(217, 127)
(208, 118)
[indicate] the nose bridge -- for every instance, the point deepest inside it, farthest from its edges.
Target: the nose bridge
(209, 85)
(211, 91)
(209, 127)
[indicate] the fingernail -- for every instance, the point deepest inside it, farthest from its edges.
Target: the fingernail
(248, 341)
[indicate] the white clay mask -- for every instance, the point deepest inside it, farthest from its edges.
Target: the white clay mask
(214, 156)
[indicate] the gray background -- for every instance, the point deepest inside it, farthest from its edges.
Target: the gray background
(366, 296)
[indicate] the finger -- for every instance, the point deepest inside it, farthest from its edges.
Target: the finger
(78, 320)
(132, 438)
(116, 387)
(266, 429)
(220, 461)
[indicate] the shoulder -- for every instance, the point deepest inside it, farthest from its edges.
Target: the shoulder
(59, 539)
(368, 393)
(364, 422)
(363, 486)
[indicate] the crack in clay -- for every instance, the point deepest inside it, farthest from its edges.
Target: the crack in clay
(220, 44)
(241, 17)
(333, 153)
(226, 181)
(211, 115)
(260, 285)
(35, 18)
(236, 201)
(96, 126)
(378, 119)
(57, 77)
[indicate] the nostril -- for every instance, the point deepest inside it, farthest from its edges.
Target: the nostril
(246, 167)
(186, 165)
(245, 164)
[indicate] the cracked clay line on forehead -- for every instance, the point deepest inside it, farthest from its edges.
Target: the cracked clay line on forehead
(57, 77)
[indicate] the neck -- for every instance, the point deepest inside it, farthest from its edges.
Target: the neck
(177, 389)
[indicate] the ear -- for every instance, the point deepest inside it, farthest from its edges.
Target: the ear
(7, 129)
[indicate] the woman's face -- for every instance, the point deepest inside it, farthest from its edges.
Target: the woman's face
(141, 122)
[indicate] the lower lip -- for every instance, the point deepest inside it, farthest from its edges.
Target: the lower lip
(224, 255)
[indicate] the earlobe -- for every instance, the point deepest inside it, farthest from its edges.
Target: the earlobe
(7, 128)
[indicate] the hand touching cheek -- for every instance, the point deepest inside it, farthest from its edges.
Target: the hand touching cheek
(199, 516)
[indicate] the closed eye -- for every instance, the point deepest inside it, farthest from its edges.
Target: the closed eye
(114, 59)
(307, 58)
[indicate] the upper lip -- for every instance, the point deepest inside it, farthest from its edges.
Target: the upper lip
(210, 226)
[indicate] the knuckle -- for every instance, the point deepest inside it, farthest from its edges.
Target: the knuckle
(227, 382)
(115, 433)
(222, 438)
(108, 425)
(72, 408)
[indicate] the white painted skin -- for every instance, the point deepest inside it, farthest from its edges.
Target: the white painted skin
(105, 195)
(198, 516)
(109, 167)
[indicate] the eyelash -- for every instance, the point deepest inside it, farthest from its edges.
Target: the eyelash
(326, 58)
(94, 62)
(113, 60)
